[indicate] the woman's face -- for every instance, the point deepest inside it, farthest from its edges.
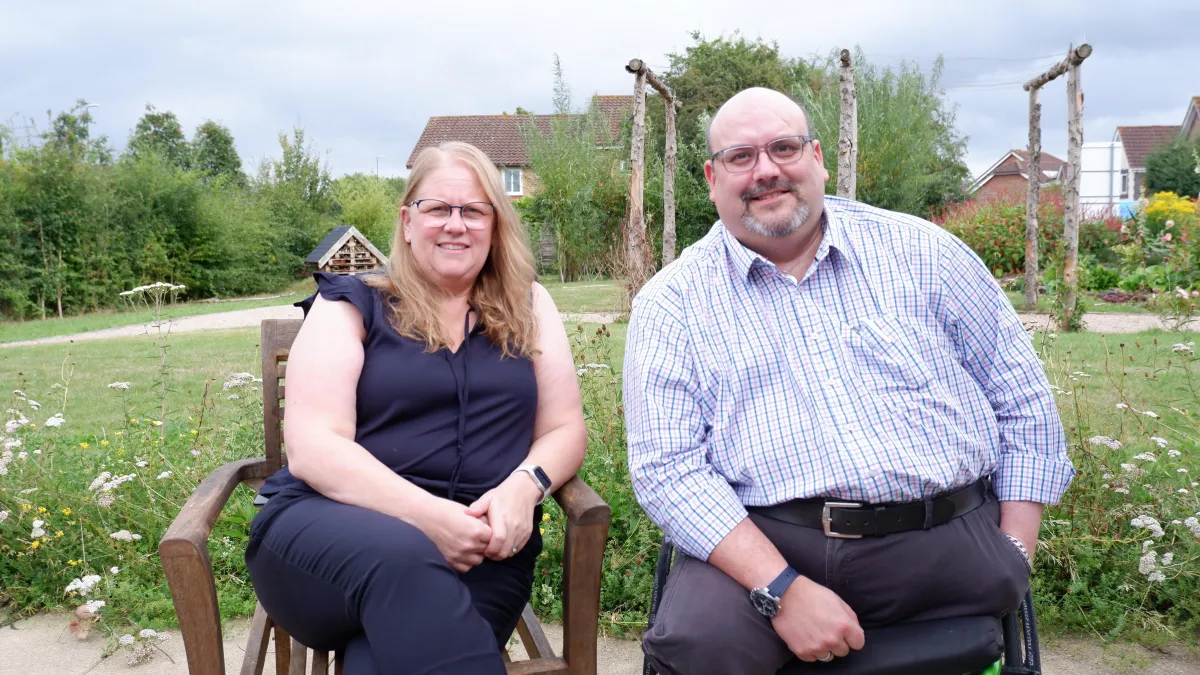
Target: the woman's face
(449, 244)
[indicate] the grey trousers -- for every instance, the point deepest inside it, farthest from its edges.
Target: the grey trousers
(966, 567)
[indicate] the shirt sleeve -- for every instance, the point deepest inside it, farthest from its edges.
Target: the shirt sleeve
(994, 347)
(347, 288)
(667, 433)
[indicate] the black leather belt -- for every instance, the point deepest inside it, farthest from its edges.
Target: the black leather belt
(854, 520)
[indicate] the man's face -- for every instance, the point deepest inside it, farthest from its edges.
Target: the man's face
(769, 200)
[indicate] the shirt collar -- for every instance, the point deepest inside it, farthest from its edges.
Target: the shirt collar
(745, 260)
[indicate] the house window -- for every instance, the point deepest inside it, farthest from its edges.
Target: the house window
(1124, 184)
(512, 181)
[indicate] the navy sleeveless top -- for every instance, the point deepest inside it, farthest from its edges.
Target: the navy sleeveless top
(454, 423)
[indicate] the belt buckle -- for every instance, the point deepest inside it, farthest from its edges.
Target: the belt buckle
(826, 519)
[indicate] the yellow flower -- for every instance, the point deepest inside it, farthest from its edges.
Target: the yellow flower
(194, 432)
(66, 512)
(119, 433)
(133, 420)
(542, 530)
(104, 443)
(41, 509)
(83, 445)
(181, 435)
(25, 507)
(157, 423)
(189, 418)
(32, 425)
(35, 544)
(58, 533)
(545, 517)
(72, 563)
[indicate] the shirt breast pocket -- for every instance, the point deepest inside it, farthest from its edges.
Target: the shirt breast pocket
(882, 352)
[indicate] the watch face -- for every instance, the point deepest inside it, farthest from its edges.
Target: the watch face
(542, 477)
(764, 603)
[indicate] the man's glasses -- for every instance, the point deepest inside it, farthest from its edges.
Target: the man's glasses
(436, 213)
(742, 158)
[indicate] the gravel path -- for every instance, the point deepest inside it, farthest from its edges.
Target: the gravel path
(1097, 323)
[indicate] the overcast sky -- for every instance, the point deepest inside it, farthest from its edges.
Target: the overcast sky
(363, 77)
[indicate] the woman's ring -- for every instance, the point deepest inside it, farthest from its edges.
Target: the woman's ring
(828, 658)
(514, 549)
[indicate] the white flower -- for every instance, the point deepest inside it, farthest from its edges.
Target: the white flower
(165, 474)
(23, 455)
(119, 385)
(147, 633)
(18, 392)
(14, 443)
(1107, 476)
(124, 535)
(115, 570)
(1148, 523)
(1155, 576)
(56, 421)
(1105, 441)
(195, 453)
(1150, 414)
(99, 482)
(37, 532)
(1053, 336)
(1182, 491)
(1167, 558)
(34, 404)
(84, 585)
(1132, 470)
(39, 523)
(1181, 347)
(3, 516)
(234, 397)
(1121, 406)
(1180, 470)
(1173, 453)
(143, 463)
(1192, 524)
(105, 500)
(11, 426)
(1146, 457)
(1148, 562)
(94, 605)
(127, 639)
(1121, 490)
(1081, 374)
(1162, 442)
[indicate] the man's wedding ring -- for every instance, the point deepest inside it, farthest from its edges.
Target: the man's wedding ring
(828, 658)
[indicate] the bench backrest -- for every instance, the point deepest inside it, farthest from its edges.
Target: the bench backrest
(277, 336)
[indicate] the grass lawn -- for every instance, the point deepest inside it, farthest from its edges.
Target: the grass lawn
(14, 331)
(1046, 304)
(585, 296)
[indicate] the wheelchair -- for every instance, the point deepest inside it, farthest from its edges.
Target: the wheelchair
(974, 645)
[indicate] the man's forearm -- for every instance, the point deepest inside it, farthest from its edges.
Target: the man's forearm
(1022, 520)
(747, 556)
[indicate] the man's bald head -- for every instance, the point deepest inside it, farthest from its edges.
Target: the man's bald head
(758, 98)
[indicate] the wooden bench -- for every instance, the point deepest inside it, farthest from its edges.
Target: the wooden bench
(185, 559)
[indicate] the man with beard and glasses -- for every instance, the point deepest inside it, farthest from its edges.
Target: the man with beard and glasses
(833, 413)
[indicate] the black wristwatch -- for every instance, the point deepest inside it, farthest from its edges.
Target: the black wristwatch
(766, 600)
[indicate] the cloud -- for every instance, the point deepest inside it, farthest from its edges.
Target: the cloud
(363, 77)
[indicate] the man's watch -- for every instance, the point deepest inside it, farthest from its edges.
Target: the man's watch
(766, 600)
(539, 477)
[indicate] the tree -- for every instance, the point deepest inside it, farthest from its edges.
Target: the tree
(214, 155)
(367, 203)
(69, 130)
(910, 156)
(1172, 168)
(709, 72)
(160, 132)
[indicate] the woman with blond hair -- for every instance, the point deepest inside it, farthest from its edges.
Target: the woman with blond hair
(430, 411)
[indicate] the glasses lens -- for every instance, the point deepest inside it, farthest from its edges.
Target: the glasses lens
(740, 158)
(433, 211)
(477, 214)
(786, 149)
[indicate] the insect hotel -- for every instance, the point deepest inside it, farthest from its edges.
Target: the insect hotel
(345, 251)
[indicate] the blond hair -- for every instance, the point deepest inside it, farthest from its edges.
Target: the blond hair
(502, 293)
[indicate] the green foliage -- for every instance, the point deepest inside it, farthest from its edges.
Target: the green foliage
(214, 155)
(370, 204)
(581, 199)
(910, 157)
(79, 227)
(1172, 168)
(160, 133)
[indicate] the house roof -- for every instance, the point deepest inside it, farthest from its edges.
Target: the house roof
(500, 136)
(1191, 118)
(333, 241)
(1016, 162)
(1141, 141)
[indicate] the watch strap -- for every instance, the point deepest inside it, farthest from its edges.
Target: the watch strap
(781, 582)
(539, 477)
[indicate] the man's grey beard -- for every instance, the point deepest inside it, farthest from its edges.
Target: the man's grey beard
(778, 230)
